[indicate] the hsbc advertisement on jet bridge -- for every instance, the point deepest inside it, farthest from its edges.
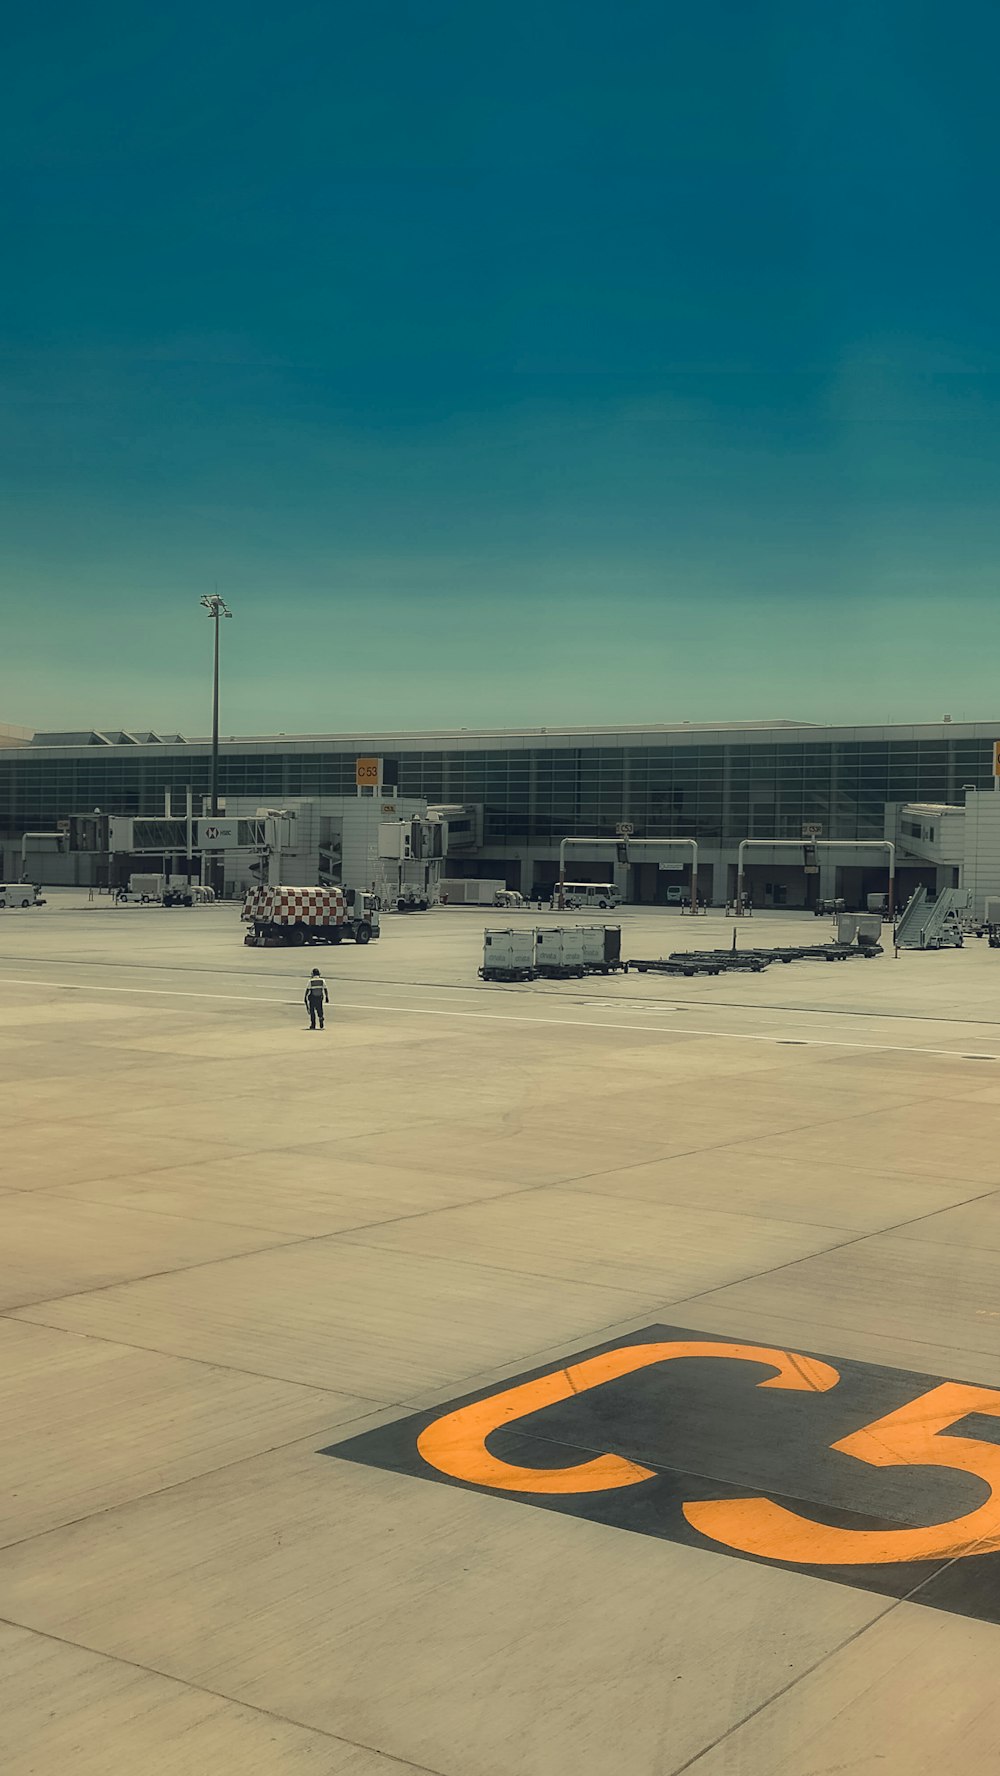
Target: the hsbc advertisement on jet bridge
(216, 835)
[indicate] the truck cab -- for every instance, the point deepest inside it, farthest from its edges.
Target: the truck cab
(363, 909)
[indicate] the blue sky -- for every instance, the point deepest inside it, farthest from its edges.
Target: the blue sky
(508, 363)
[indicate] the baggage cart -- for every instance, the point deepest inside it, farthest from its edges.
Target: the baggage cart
(559, 953)
(602, 948)
(508, 955)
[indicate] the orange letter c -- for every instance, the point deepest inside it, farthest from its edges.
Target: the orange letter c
(456, 1444)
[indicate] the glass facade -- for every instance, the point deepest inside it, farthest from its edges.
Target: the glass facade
(741, 785)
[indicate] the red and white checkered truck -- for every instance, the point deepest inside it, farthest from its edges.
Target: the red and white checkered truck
(309, 915)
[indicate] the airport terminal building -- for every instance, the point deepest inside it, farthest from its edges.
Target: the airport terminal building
(511, 795)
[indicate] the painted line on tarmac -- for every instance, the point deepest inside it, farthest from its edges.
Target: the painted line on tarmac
(494, 1017)
(13, 980)
(518, 991)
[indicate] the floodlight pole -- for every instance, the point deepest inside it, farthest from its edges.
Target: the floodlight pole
(216, 608)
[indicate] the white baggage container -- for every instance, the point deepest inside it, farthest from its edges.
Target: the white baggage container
(602, 947)
(470, 891)
(508, 955)
(559, 950)
(864, 929)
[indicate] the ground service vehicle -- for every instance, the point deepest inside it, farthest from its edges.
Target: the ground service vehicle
(586, 894)
(309, 915)
(148, 887)
(411, 900)
(20, 894)
(186, 894)
(172, 891)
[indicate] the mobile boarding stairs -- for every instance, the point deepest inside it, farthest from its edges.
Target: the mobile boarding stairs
(932, 924)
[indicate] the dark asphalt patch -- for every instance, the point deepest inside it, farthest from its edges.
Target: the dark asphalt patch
(717, 1444)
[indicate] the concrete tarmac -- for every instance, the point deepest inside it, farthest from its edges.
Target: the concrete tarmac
(542, 1380)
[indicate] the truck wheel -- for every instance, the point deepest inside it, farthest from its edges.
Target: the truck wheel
(25, 903)
(296, 935)
(363, 934)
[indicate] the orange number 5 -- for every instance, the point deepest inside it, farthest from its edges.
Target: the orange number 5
(906, 1438)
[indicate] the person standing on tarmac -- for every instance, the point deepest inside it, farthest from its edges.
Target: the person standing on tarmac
(316, 996)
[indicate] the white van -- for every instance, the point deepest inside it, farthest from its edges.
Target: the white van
(593, 895)
(20, 894)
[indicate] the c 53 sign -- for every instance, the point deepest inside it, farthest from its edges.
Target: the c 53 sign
(879, 1478)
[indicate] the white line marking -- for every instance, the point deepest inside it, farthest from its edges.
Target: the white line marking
(494, 1017)
(14, 980)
